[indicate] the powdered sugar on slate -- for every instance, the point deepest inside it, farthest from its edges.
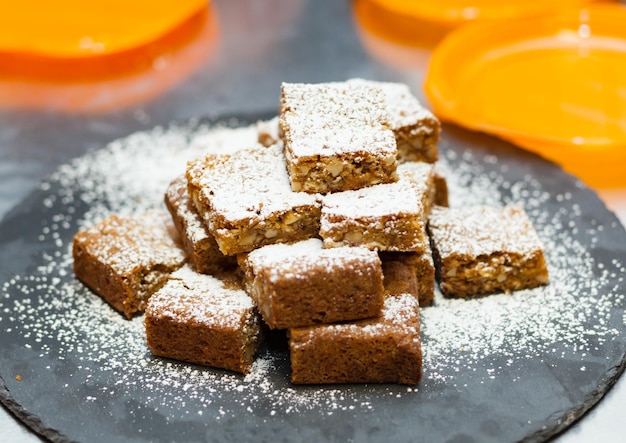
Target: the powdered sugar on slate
(58, 317)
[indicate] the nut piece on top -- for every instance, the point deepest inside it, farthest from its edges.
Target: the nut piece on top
(204, 319)
(302, 284)
(385, 349)
(480, 250)
(246, 201)
(336, 136)
(125, 259)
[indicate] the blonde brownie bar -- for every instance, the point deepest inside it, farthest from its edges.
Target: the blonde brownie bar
(125, 259)
(204, 319)
(409, 267)
(204, 253)
(336, 136)
(480, 250)
(246, 201)
(386, 217)
(386, 349)
(302, 284)
(416, 129)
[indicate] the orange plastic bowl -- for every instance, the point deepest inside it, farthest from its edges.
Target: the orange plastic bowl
(548, 83)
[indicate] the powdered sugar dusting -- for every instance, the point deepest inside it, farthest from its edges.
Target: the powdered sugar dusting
(455, 231)
(58, 318)
(200, 298)
(335, 118)
(403, 196)
(284, 261)
(403, 107)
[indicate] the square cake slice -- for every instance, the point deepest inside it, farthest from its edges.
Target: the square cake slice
(125, 259)
(386, 349)
(302, 284)
(415, 128)
(246, 201)
(480, 250)
(386, 217)
(336, 136)
(204, 253)
(204, 319)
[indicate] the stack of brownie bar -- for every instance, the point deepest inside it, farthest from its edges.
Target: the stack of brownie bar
(323, 226)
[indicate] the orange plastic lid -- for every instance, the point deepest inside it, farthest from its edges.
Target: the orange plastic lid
(548, 83)
(75, 28)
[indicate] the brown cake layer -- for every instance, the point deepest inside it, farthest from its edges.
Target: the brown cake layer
(411, 269)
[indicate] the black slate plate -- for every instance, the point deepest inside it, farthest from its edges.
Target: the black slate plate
(501, 368)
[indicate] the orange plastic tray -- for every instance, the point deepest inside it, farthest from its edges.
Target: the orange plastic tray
(555, 83)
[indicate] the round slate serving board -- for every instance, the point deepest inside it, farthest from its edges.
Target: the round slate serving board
(501, 368)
